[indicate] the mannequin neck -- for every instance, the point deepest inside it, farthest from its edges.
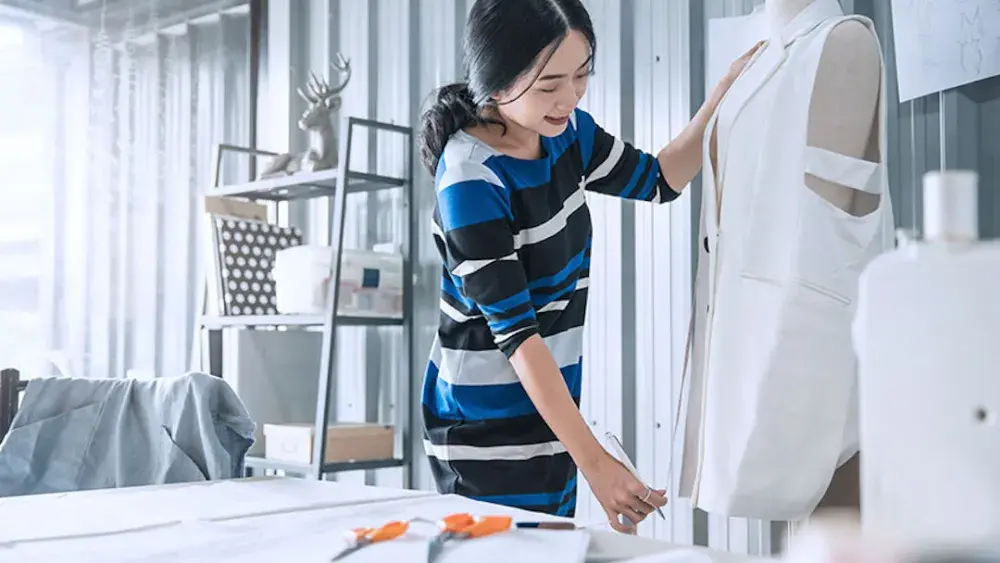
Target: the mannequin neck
(781, 12)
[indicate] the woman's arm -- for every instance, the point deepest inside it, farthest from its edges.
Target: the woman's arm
(681, 159)
(541, 378)
(616, 168)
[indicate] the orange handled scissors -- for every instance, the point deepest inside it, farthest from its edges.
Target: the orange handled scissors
(466, 526)
(361, 537)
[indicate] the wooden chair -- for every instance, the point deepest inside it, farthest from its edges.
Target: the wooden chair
(11, 387)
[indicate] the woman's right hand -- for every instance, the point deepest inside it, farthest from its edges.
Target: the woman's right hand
(620, 493)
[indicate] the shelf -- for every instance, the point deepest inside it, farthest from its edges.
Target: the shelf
(249, 321)
(256, 462)
(306, 185)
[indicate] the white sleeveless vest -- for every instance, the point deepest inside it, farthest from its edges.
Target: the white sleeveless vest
(771, 399)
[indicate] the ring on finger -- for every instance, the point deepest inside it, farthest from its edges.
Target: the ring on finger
(649, 492)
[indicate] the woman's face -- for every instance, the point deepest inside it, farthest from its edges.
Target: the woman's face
(550, 92)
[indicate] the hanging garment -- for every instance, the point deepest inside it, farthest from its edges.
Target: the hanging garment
(771, 369)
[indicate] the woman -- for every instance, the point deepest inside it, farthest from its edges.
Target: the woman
(512, 157)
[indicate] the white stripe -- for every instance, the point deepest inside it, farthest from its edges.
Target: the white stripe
(459, 167)
(492, 453)
(609, 163)
(554, 306)
(534, 235)
(491, 367)
(455, 314)
(498, 338)
(561, 304)
(473, 266)
(436, 231)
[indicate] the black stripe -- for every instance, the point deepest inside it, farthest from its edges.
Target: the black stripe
(472, 335)
(574, 315)
(515, 431)
(535, 205)
(482, 241)
(539, 475)
(475, 334)
(547, 257)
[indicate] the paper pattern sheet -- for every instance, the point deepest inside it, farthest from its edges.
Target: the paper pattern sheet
(942, 44)
(727, 39)
(32, 518)
(310, 534)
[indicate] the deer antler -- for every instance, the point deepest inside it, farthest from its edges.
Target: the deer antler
(319, 89)
(344, 66)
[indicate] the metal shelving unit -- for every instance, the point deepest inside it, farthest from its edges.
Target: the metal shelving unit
(336, 184)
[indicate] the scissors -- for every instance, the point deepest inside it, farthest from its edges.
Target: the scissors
(362, 537)
(466, 526)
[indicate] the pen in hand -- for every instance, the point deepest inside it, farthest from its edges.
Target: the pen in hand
(619, 451)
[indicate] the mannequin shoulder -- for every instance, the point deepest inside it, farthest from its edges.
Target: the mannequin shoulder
(851, 46)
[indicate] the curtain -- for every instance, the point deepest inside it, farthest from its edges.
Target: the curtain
(25, 197)
(132, 118)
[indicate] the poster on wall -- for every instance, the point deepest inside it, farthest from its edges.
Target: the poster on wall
(727, 39)
(942, 44)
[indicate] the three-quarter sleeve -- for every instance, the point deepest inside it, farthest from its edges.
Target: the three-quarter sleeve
(616, 168)
(476, 232)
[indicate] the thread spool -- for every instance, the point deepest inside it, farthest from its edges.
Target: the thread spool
(951, 206)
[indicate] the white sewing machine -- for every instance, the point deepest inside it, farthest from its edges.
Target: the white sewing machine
(927, 334)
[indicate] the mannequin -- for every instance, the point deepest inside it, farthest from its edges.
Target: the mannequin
(795, 204)
(842, 119)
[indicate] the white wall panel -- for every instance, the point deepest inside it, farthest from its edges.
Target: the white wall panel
(662, 271)
(602, 364)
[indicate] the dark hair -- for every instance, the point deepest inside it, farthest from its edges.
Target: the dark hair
(503, 39)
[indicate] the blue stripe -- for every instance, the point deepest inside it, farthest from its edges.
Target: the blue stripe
(557, 278)
(503, 325)
(524, 174)
(486, 402)
(650, 184)
(449, 286)
(543, 300)
(643, 162)
(585, 132)
(441, 169)
(560, 144)
(504, 305)
(530, 499)
(567, 505)
(471, 202)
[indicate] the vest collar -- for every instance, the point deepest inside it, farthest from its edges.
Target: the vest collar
(807, 20)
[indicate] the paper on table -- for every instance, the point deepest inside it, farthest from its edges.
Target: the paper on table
(727, 40)
(314, 535)
(36, 517)
(942, 44)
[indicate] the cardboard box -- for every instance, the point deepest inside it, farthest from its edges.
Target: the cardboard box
(345, 441)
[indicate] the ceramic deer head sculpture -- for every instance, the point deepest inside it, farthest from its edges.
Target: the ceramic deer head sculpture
(320, 120)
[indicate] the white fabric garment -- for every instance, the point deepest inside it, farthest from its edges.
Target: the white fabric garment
(771, 370)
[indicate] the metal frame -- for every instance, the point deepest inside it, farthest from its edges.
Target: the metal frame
(336, 184)
(11, 387)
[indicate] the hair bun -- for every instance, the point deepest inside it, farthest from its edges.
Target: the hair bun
(454, 108)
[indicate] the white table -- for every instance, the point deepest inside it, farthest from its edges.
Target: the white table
(261, 519)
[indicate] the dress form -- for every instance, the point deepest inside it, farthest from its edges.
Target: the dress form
(843, 118)
(843, 115)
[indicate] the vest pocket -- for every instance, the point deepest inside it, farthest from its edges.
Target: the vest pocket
(834, 247)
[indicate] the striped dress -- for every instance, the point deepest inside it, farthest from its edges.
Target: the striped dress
(514, 236)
